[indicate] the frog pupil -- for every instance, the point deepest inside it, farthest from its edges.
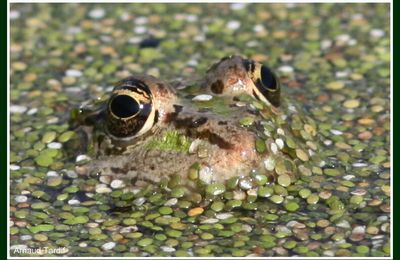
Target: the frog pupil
(267, 78)
(124, 106)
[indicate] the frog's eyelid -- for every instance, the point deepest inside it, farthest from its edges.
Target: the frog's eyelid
(133, 85)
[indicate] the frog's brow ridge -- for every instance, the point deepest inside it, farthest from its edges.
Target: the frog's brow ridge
(132, 83)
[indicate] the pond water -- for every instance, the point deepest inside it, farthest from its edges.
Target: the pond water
(334, 64)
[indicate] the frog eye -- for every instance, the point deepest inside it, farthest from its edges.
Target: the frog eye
(124, 106)
(130, 110)
(266, 82)
(268, 79)
(269, 86)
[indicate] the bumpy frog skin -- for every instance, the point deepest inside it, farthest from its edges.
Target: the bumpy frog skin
(148, 130)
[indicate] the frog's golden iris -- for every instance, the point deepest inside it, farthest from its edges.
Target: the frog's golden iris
(130, 109)
(266, 82)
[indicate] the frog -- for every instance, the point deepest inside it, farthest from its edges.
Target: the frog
(230, 123)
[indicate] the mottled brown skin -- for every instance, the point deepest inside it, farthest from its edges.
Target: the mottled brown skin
(152, 165)
(223, 76)
(231, 147)
(235, 75)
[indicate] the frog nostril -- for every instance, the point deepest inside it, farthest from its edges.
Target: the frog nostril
(217, 87)
(124, 106)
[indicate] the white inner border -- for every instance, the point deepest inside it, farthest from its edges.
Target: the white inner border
(199, 1)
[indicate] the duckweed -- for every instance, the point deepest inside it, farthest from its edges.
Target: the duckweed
(322, 191)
